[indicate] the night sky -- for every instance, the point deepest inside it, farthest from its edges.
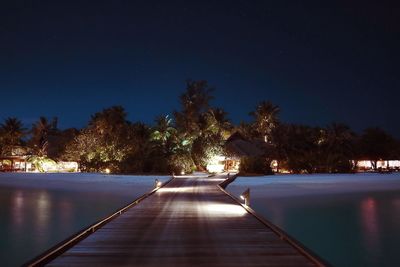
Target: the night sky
(318, 63)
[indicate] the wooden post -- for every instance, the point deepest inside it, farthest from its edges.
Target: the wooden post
(246, 197)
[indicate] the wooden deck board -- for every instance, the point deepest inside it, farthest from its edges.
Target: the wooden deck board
(189, 222)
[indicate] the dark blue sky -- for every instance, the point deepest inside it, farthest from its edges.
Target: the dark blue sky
(318, 63)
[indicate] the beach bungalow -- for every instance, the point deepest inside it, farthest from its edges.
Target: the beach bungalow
(368, 165)
(12, 163)
(14, 159)
(236, 147)
(20, 159)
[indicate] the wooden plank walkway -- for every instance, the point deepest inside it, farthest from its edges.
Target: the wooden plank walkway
(189, 222)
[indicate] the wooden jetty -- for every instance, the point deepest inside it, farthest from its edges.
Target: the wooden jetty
(191, 221)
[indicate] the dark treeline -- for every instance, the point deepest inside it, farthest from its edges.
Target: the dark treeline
(195, 133)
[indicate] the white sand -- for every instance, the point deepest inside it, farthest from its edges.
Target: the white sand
(297, 185)
(81, 182)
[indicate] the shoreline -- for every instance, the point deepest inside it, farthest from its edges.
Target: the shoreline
(307, 185)
(80, 182)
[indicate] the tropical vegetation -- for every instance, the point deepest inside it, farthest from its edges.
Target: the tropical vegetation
(192, 136)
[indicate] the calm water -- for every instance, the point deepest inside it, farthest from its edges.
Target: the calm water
(357, 229)
(352, 229)
(33, 220)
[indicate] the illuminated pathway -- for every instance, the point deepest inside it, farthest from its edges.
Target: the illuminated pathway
(189, 222)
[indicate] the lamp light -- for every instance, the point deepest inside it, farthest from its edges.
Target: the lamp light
(246, 196)
(157, 183)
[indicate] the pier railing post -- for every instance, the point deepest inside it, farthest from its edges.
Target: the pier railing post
(246, 197)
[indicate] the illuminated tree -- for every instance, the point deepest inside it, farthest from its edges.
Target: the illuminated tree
(265, 119)
(214, 129)
(164, 134)
(205, 127)
(104, 143)
(170, 150)
(218, 122)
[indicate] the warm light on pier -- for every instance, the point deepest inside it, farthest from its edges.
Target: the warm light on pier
(225, 209)
(246, 197)
(176, 189)
(157, 183)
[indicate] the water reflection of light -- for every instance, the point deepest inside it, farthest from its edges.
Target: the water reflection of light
(225, 209)
(17, 208)
(65, 208)
(43, 206)
(370, 224)
(276, 211)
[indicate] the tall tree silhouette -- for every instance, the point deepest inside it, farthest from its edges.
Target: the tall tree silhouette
(338, 147)
(41, 130)
(265, 119)
(11, 134)
(194, 102)
(375, 144)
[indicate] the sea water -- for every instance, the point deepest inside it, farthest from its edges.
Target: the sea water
(39, 211)
(360, 227)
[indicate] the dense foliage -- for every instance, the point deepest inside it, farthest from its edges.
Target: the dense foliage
(255, 165)
(193, 136)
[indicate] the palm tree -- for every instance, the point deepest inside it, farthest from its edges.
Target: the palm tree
(40, 134)
(266, 119)
(11, 133)
(222, 123)
(163, 130)
(170, 149)
(194, 101)
(246, 130)
(214, 129)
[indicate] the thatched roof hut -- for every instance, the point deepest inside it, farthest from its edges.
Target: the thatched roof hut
(237, 146)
